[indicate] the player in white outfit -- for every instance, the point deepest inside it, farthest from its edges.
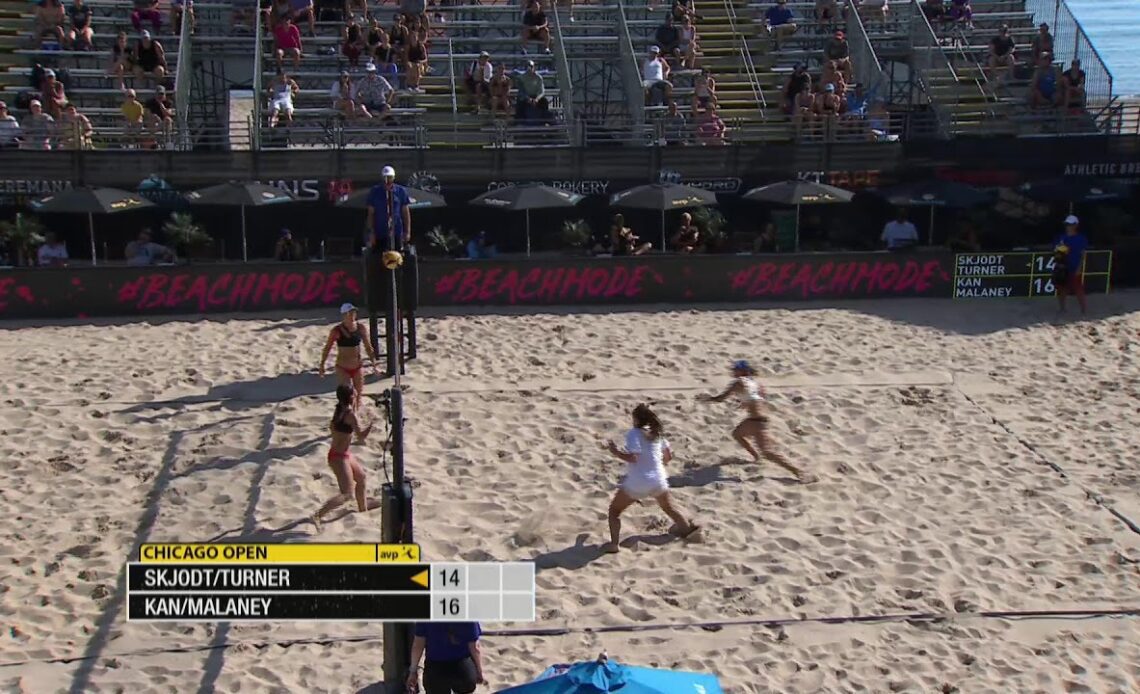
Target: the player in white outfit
(646, 451)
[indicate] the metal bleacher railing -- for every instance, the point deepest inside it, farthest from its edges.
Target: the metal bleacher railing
(745, 55)
(182, 72)
(631, 72)
(1071, 42)
(931, 66)
(258, 85)
(562, 68)
(868, 69)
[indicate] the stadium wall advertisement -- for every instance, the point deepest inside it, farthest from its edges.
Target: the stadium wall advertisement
(223, 288)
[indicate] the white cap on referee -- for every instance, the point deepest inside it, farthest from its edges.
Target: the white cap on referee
(1072, 219)
(388, 171)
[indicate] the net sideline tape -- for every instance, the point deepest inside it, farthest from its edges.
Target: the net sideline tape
(904, 617)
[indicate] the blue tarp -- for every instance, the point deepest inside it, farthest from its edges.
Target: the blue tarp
(605, 676)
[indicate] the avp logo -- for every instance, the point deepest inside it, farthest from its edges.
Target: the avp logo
(424, 180)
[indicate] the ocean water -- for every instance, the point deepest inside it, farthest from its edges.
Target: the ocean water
(1113, 26)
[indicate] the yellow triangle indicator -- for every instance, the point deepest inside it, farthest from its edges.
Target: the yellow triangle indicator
(421, 578)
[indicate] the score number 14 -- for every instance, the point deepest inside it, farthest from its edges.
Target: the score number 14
(1043, 286)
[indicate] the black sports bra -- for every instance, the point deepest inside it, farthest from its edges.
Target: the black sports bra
(339, 425)
(348, 339)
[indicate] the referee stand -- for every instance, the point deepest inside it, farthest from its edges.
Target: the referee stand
(392, 290)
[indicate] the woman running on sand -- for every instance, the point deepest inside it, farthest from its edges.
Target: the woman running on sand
(646, 451)
(349, 474)
(754, 428)
(348, 335)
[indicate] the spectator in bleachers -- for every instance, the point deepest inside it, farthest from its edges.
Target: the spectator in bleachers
(935, 10)
(798, 82)
(80, 36)
(1073, 86)
(689, 45)
(178, 10)
(303, 9)
(278, 12)
(49, 20)
(376, 34)
(832, 75)
(373, 93)
(779, 22)
(1002, 56)
(418, 25)
(962, 12)
(682, 9)
(478, 78)
(623, 241)
(1045, 89)
(417, 62)
(877, 9)
(501, 92)
(74, 129)
(826, 11)
(803, 110)
(668, 37)
(385, 58)
(838, 51)
(710, 127)
(398, 35)
(341, 93)
(281, 92)
(655, 78)
(52, 253)
(704, 91)
(353, 43)
(535, 26)
(899, 233)
(287, 37)
(9, 129)
(133, 113)
(52, 95)
(160, 112)
(146, 11)
(674, 126)
(39, 128)
(358, 9)
(149, 58)
(121, 59)
(531, 91)
(1042, 42)
(414, 9)
(827, 107)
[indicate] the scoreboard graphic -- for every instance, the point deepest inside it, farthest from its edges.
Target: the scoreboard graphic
(1020, 275)
(321, 582)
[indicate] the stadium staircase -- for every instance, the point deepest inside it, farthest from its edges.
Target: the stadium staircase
(15, 22)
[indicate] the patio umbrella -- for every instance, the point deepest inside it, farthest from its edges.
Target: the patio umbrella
(527, 197)
(935, 193)
(662, 197)
(91, 201)
(240, 194)
(799, 193)
(1074, 190)
(420, 199)
(606, 676)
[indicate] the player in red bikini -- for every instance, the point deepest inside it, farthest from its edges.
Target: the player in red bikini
(349, 474)
(348, 335)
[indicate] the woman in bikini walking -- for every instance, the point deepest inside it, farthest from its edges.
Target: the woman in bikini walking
(646, 451)
(754, 428)
(349, 474)
(348, 335)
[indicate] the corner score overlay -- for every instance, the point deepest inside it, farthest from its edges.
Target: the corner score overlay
(321, 582)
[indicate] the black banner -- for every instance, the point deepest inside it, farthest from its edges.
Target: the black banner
(665, 279)
(285, 578)
(184, 607)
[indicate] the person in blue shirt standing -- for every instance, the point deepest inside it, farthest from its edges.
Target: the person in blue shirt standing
(453, 662)
(389, 217)
(1068, 267)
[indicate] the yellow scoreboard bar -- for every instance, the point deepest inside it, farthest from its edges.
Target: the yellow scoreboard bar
(255, 553)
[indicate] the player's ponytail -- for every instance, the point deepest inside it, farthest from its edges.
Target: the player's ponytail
(645, 418)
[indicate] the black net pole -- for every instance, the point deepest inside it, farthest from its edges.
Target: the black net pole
(411, 302)
(392, 327)
(370, 262)
(397, 528)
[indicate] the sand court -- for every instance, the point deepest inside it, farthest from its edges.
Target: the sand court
(937, 444)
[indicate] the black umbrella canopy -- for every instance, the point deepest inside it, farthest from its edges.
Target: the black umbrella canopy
(662, 197)
(420, 199)
(240, 194)
(1075, 190)
(799, 193)
(936, 194)
(528, 196)
(90, 200)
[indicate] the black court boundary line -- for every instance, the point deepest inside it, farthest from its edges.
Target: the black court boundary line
(896, 618)
(1095, 496)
